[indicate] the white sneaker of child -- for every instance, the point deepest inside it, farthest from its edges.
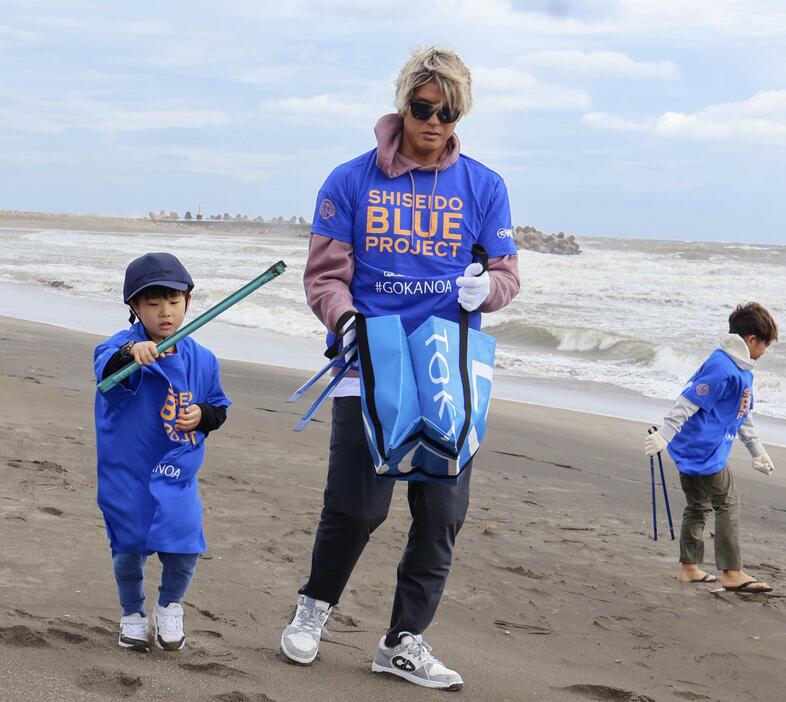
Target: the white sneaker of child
(133, 632)
(169, 627)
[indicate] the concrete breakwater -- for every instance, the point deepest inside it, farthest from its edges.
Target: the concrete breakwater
(532, 239)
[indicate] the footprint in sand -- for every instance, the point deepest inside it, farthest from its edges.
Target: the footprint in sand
(207, 633)
(109, 682)
(68, 636)
(296, 532)
(22, 636)
(237, 696)
(17, 517)
(345, 619)
(604, 692)
(204, 612)
(213, 668)
(88, 628)
(520, 570)
(23, 614)
(51, 510)
(47, 466)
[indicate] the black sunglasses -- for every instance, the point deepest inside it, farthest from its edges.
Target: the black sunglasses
(423, 110)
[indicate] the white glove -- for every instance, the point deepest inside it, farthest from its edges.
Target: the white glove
(473, 286)
(763, 464)
(654, 443)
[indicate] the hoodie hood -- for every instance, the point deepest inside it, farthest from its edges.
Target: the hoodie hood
(388, 131)
(734, 346)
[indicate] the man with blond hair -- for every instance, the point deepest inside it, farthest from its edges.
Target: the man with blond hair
(410, 210)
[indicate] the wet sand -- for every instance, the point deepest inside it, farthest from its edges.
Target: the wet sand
(558, 591)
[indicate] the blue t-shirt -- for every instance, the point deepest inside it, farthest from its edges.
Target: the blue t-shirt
(147, 485)
(412, 235)
(724, 393)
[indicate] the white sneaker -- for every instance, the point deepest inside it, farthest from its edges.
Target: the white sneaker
(133, 632)
(300, 640)
(169, 627)
(412, 660)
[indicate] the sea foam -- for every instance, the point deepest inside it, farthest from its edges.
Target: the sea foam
(636, 315)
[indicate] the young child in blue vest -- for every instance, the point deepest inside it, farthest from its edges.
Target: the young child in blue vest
(714, 408)
(150, 439)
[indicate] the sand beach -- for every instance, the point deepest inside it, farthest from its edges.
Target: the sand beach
(622, 165)
(558, 591)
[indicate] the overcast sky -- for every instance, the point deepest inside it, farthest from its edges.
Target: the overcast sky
(636, 118)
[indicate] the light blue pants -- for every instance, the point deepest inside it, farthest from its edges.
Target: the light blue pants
(178, 570)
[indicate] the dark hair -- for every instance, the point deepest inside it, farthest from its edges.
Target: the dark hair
(753, 319)
(153, 292)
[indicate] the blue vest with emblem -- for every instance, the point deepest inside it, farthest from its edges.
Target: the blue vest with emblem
(147, 470)
(724, 393)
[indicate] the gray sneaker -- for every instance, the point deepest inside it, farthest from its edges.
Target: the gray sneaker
(411, 659)
(300, 640)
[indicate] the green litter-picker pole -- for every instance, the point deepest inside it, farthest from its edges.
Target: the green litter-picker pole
(274, 271)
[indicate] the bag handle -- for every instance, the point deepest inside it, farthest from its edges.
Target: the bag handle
(478, 252)
(369, 381)
(364, 357)
(333, 350)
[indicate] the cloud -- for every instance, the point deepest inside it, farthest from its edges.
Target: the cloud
(609, 63)
(621, 17)
(354, 110)
(603, 120)
(246, 167)
(136, 120)
(14, 36)
(84, 111)
(251, 167)
(556, 17)
(87, 22)
(738, 17)
(761, 119)
(510, 90)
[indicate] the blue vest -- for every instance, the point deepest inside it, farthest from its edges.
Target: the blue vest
(147, 471)
(412, 236)
(724, 393)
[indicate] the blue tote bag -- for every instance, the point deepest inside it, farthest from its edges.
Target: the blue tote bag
(391, 414)
(425, 398)
(453, 366)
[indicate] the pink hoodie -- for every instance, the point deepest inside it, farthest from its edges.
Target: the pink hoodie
(331, 263)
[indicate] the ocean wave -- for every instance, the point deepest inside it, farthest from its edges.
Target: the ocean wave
(574, 340)
(664, 379)
(640, 315)
(675, 366)
(285, 319)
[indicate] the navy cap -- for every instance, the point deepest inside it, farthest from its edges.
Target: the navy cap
(155, 269)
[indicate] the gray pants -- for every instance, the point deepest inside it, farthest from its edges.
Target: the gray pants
(703, 494)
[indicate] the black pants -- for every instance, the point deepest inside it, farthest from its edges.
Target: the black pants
(357, 502)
